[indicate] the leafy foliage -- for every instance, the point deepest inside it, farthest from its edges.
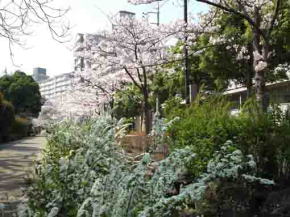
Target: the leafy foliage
(207, 123)
(203, 126)
(127, 102)
(22, 91)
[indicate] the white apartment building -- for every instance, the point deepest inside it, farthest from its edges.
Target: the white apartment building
(56, 86)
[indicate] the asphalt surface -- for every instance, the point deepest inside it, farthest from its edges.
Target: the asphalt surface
(16, 165)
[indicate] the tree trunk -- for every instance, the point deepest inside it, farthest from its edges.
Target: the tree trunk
(250, 72)
(260, 67)
(260, 62)
(260, 89)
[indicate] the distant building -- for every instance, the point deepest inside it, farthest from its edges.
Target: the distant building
(83, 45)
(56, 86)
(125, 14)
(276, 92)
(39, 74)
(121, 15)
(83, 51)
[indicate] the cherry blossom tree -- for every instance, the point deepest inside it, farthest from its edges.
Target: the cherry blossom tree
(131, 53)
(88, 75)
(73, 105)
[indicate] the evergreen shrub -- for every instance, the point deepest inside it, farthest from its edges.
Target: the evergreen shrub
(208, 123)
(204, 126)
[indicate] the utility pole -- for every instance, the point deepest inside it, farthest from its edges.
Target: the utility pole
(158, 13)
(186, 60)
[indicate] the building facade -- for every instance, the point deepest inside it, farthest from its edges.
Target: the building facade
(277, 93)
(39, 74)
(56, 86)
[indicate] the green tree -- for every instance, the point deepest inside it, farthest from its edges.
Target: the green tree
(23, 92)
(127, 102)
(263, 19)
(166, 85)
(232, 57)
(226, 54)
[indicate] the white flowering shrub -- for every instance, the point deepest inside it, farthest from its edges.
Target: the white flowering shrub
(227, 164)
(76, 155)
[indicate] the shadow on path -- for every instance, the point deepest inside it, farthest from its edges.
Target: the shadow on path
(16, 163)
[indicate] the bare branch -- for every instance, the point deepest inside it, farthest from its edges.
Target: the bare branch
(17, 16)
(133, 79)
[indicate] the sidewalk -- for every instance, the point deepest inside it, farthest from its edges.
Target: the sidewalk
(16, 164)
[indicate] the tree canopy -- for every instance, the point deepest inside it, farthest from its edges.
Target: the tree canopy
(23, 92)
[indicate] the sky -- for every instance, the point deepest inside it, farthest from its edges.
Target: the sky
(85, 16)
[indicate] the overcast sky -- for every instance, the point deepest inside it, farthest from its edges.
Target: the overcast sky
(86, 16)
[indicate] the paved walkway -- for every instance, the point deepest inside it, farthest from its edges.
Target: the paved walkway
(16, 164)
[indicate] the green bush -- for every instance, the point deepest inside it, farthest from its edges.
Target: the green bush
(207, 124)
(173, 106)
(203, 126)
(6, 118)
(64, 139)
(85, 173)
(11, 128)
(266, 136)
